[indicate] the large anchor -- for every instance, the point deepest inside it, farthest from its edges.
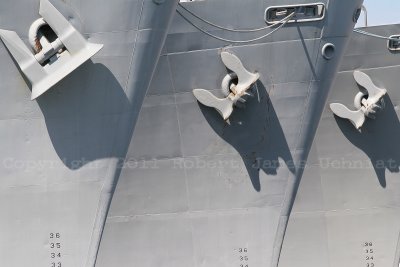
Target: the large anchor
(367, 104)
(236, 92)
(53, 59)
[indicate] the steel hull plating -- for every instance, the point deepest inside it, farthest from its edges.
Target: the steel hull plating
(199, 191)
(193, 190)
(61, 154)
(347, 209)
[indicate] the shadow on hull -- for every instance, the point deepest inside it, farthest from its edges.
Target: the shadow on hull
(255, 132)
(377, 140)
(82, 113)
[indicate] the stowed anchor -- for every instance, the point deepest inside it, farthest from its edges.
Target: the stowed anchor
(245, 81)
(366, 107)
(54, 59)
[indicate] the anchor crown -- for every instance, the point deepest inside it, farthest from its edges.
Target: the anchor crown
(237, 92)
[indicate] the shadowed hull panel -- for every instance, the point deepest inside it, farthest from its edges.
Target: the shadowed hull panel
(197, 191)
(347, 209)
(60, 153)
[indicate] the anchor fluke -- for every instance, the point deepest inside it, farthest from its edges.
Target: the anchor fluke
(357, 118)
(245, 78)
(365, 81)
(223, 105)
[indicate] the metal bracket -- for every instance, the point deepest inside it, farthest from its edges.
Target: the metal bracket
(302, 12)
(245, 80)
(392, 44)
(77, 51)
(366, 107)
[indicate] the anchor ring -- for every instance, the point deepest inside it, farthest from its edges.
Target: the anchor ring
(33, 34)
(227, 83)
(358, 99)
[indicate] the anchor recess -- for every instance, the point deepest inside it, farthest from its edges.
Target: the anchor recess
(236, 93)
(367, 104)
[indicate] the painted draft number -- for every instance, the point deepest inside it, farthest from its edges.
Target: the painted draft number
(55, 246)
(243, 257)
(369, 254)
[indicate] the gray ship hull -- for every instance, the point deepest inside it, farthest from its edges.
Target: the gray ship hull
(193, 190)
(61, 155)
(198, 191)
(346, 211)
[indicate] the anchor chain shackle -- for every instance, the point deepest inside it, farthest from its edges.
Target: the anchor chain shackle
(228, 86)
(44, 49)
(369, 109)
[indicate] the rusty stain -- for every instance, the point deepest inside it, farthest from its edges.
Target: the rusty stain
(38, 46)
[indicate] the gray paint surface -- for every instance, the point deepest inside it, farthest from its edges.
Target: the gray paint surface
(61, 154)
(189, 193)
(349, 194)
